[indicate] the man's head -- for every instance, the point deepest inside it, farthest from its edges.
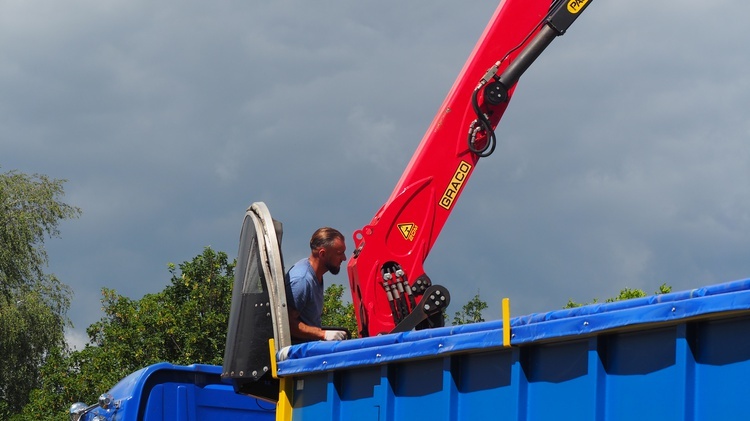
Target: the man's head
(327, 245)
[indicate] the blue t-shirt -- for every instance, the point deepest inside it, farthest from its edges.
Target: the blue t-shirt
(306, 292)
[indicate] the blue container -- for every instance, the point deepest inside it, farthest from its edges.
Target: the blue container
(678, 356)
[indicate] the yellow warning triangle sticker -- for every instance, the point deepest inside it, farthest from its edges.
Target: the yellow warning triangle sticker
(407, 230)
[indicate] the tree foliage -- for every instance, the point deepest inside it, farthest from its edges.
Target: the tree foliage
(185, 323)
(625, 294)
(33, 305)
(32, 324)
(336, 312)
(471, 312)
(30, 210)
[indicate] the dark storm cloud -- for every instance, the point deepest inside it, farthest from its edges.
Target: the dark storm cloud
(621, 161)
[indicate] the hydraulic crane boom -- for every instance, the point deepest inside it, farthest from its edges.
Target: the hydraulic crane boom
(390, 289)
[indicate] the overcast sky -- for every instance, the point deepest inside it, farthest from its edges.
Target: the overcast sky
(622, 161)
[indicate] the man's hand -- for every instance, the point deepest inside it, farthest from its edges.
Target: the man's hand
(335, 335)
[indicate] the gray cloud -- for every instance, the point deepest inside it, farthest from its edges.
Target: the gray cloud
(621, 162)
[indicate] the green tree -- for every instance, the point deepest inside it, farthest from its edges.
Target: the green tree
(33, 304)
(31, 209)
(336, 312)
(471, 312)
(625, 294)
(185, 323)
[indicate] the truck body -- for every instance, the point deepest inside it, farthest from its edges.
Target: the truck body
(677, 356)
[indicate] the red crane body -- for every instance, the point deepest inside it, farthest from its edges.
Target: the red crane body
(390, 251)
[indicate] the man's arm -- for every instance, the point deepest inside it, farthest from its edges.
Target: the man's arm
(300, 330)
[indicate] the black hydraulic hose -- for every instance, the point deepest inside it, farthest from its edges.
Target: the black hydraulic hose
(484, 124)
(510, 78)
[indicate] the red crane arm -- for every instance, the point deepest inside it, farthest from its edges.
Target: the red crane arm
(386, 272)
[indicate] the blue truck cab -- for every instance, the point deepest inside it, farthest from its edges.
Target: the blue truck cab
(168, 392)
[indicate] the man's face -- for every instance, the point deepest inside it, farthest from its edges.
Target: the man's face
(334, 255)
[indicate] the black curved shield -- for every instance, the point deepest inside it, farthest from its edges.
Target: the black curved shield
(255, 308)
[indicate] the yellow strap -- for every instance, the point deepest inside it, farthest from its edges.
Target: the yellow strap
(284, 405)
(506, 322)
(272, 350)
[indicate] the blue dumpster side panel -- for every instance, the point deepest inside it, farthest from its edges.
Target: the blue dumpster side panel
(681, 356)
(722, 372)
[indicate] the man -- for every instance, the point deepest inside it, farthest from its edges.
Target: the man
(304, 283)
